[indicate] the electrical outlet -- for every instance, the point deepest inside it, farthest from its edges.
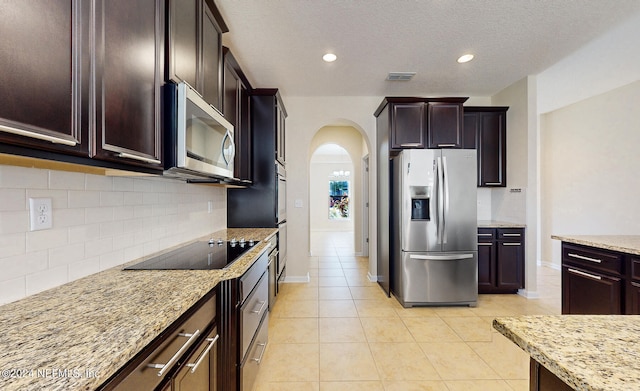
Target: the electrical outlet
(40, 213)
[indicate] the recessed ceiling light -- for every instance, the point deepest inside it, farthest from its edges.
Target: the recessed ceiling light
(465, 58)
(329, 57)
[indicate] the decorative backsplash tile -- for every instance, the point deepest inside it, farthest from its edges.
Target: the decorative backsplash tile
(98, 222)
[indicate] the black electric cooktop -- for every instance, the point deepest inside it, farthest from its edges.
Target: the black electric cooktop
(196, 256)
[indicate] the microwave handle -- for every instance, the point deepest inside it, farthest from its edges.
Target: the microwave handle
(232, 147)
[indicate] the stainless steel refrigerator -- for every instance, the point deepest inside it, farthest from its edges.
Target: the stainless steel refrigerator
(434, 254)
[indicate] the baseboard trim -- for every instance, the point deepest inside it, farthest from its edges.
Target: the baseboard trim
(371, 277)
(551, 265)
(297, 279)
(528, 294)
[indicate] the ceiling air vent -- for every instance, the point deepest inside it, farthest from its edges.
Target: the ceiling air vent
(400, 76)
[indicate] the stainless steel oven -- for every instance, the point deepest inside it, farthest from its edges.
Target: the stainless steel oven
(281, 193)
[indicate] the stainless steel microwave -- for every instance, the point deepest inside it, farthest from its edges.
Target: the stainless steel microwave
(199, 140)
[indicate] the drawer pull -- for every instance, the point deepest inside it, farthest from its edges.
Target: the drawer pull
(410, 144)
(264, 348)
(212, 341)
(485, 234)
(512, 244)
(493, 183)
(593, 276)
(516, 235)
(259, 310)
(485, 244)
(446, 145)
(164, 367)
(572, 255)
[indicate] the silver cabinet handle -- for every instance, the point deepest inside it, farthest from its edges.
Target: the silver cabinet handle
(164, 367)
(485, 234)
(578, 272)
(212, 341)
(264, 348)
(446, 145)
(512, 235)
(512, 244)
(485, 244)
(259, 310)
(410, 144)
(572, 255)
(136, 157)
(493, 183)
(39, 136)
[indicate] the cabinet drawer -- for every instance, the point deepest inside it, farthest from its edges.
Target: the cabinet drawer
(511, 234)
(486, 235)
(588, 292)
(252, 312)
(251, 365)
(592, 258)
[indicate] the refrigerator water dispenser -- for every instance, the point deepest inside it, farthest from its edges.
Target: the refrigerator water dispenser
(420, 202)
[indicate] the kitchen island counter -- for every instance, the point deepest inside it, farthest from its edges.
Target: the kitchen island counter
(75, 336)
(629, 244)
(587, 352)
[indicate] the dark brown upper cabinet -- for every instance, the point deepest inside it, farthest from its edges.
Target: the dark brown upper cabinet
(194, 38)
(45, 78)
(485, 128)
(423, 122)
(129, 70)
(81, 82)
(237, 110)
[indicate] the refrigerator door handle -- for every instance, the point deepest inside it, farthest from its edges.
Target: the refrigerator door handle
(441, 257)
(440, 189)
(445, 202)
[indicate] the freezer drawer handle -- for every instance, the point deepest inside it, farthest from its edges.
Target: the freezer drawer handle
(259, 359)
(212, 341)
(259, 310)
(441, 257)
(574, 271)
(572, 255)
(164, 367)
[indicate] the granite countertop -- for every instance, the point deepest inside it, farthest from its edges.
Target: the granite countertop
(629, 244)
(92, 326)
(588, 352)
(499, 224)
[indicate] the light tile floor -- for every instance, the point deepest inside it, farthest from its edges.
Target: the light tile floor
(340, 332)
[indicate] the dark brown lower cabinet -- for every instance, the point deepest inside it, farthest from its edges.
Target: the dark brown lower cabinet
(541, 379)
(632, 297)
(500, 260)
(592, 280)
(200, 371)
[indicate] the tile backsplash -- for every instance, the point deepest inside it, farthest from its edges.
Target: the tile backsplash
(98, 222)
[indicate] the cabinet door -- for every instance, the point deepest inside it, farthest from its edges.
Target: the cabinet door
(470, 126)
(492, 149)
(183, 41)
(128, 75)
(210, 73)
(633, 298)
(509, 265)
(44, 75)
(407, 125)
(586, 292)
(444, 125)
(486, 267)
(200, 371)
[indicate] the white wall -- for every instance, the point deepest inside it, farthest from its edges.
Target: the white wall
(590, 166)
(98, 222)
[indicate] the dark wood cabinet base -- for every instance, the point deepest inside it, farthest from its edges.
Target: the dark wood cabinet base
(541, 379)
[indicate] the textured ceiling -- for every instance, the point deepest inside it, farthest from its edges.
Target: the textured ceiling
(279, 43)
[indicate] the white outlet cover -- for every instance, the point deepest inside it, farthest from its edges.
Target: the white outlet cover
(40, 214)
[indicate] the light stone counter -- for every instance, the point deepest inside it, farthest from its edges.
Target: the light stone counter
(629, 244)
(92, 326)
(588, 352)
(499, 224)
